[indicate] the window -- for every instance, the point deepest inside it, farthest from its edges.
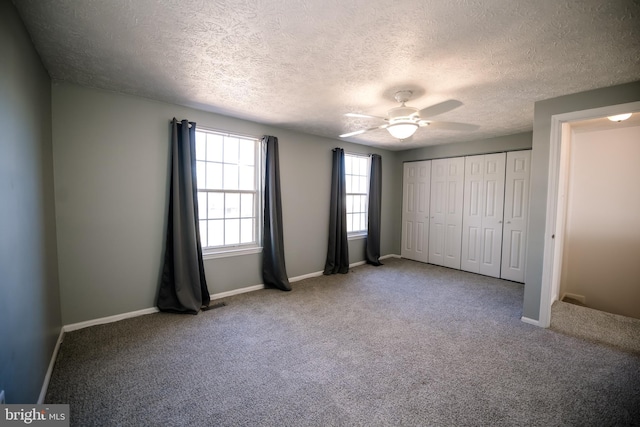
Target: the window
(357, 186)
(229, 196)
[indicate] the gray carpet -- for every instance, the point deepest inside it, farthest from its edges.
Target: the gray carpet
(404, 344)
(595, 325)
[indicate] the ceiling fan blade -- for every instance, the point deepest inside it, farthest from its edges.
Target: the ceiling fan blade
(364, 116)
(439, 108)
(361, 131)
(453, 126)
(347, 135)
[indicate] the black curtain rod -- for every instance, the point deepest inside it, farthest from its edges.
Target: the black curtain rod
(179, 121)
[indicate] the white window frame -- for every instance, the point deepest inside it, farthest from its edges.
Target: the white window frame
(362, 233)
(210, 252)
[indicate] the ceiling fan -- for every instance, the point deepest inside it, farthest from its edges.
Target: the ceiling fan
(402, 122)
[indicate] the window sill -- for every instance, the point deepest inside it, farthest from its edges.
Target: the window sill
(357, 236)
(231, 253)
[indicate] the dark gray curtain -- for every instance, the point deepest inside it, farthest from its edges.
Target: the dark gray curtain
(274, 271)
(372, 252)
(338, 250)
(183, 287)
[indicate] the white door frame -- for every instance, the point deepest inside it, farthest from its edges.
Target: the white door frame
(559, 149)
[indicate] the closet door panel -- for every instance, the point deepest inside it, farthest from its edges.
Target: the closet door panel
(415, 211)
(445, 235)
(493, 214)
(453, 219)
(438, 211)
(472, 216)
(408, 210)
(516, 210)
(483, 213)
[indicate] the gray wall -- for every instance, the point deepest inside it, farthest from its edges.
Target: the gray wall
(543, 112)
(29, 294)
(520, 141)
(111, 225)
(111, 179)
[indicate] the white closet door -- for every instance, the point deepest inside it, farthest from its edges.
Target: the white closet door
(483, 210)
(438, 201)
(455, 197)
(445, 236)
(472, 216)
(516, 210)
(492, 213)
(415, 210)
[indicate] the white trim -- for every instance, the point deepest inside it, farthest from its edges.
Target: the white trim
(227, 250)
(361, 234)
(109, 319)
(555, 155)
(224, 132)
(220, 295)
(554, 225)
(231, 252)
(320, 273)
(305, 276)
(355, 235)
(561, 210)
(47, 376)
(530, 321)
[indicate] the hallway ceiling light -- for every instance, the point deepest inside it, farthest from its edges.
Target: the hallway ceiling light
(619, 117)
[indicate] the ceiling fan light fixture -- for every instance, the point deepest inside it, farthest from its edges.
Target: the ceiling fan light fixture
(402, 130)
(619, 117)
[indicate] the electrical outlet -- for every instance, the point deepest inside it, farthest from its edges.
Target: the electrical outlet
(1, 397)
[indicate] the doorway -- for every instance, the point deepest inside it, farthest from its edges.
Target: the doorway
(559, 168)
(600, 266)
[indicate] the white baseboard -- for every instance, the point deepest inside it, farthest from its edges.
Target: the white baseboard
(305, 276)
(122, 316)
(531, 321)
(320, 273)
(109, 319)
(291, 280)
(47, 376)
(236, 292)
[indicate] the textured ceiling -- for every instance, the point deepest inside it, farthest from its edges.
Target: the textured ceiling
(303, 64)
